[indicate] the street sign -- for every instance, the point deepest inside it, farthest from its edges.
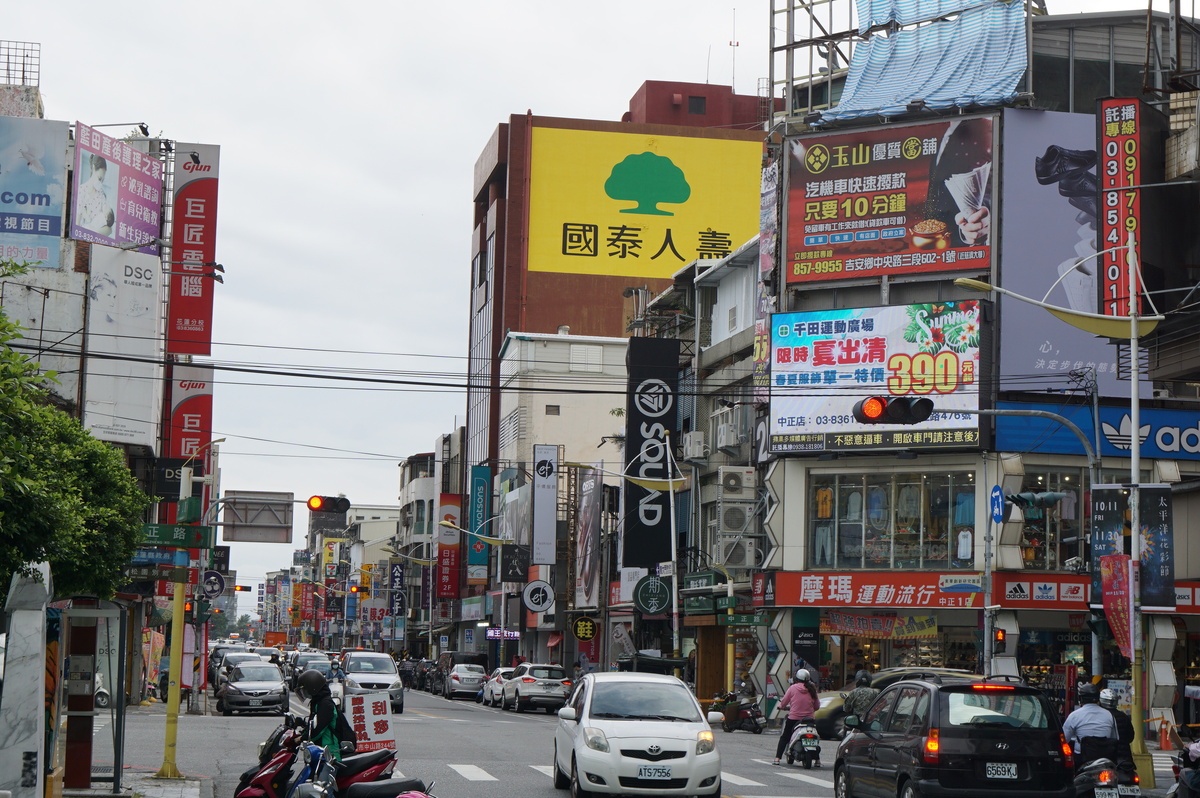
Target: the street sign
(142, 573)
(213, 585)
(584, 628)
(182, 535)
(997, 502)
(726, 602)
(652, 595)
(538, 596)
(749, 619)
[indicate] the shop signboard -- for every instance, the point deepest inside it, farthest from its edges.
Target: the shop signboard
(875, 627)
(823, 362)
(1021, 590)
(877, 589)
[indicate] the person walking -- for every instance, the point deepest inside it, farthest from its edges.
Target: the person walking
(800, 702)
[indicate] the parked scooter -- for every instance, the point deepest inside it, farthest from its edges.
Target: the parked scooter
(1186, 766)
(805, 744)
(741, 713)
(1101, 778)
(323, 780)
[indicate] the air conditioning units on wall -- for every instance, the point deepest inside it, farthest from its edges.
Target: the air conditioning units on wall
(736, 552)
(736, 483)
(694, 447)
(728, 439)
(735, 518)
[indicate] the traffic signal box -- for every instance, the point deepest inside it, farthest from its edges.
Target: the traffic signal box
(892, 410)
(328, 504)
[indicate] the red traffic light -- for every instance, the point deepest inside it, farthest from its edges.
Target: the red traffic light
(870, 409)
(354, 588)
(328, 504)
(242, 588)
(892, 410)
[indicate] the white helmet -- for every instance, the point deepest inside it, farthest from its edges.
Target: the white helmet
(802, 675)
(1108, 698)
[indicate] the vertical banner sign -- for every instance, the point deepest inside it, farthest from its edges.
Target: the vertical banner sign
(479, 513)
(1116, 579)
(330, 555)
(651, 410)
(545, 503)
(189, 428)
(307, 608)
(118, 192)
(768, 241)
(1110, 507)
(194, 243)
(396, 587)
(1121, 159)
(1157, 556)
(34, 177)
(587, 540)
(449, 546)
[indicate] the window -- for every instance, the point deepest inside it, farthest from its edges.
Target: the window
(902, 715)
(587, 357)
(552, 410)
(697, 105)
(877, 715)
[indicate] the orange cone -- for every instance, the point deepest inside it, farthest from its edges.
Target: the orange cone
(1164, 736)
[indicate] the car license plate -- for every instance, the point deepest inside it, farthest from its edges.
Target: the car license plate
(654, 772)
(256, 702)
(1001, 770)
(1106, 792)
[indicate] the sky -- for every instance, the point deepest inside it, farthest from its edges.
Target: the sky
(348, 136)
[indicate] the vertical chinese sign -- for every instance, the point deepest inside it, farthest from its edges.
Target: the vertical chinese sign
(449, 547)
(1120, 167)
(193, 242)
(1117, 576)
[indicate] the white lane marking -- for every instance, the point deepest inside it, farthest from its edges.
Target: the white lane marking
(473, 773)
(739, 781)
(809, 779)
(545, 770)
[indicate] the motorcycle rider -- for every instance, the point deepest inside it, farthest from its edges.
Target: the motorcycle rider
(800, 701)
(324, 712)
(1090, 728)
(1108, 700)
(859, 699)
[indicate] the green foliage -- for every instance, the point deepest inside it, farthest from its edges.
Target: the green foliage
(243, 627)
(65, 497)
(647, 179)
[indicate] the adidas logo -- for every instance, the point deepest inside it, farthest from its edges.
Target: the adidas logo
(1122, 438)
(1017, 591)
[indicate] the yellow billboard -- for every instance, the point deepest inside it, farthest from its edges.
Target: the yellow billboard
(638, 205)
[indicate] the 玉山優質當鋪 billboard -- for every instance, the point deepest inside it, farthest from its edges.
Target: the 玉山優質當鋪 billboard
(638, 205)
(909, 199)
(823, 362)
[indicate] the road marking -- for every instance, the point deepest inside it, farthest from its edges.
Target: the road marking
(739, 781)
(473, 773)
(809, 779)
(545, 770)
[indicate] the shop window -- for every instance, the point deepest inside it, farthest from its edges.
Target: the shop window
(908, 521)
(1050, 536)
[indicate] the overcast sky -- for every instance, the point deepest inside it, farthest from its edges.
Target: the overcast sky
(348, 135)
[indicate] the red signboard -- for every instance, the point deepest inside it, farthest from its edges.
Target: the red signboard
(878, 589)
(194, 244)
(449, 569)
(1117, 576)
(1121, 166)
(307, 611)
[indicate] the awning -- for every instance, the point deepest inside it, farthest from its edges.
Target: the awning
(555, 639)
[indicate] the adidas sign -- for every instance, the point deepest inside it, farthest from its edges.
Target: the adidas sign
(1017, 591)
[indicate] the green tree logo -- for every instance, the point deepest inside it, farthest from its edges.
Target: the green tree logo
(647, 179)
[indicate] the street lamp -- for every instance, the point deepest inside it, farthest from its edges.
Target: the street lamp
(1133, 328)
(424, 563)
(493, 541)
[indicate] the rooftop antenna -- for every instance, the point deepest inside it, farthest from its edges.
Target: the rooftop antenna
(733, 61)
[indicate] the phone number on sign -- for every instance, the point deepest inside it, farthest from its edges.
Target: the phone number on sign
(819, 267)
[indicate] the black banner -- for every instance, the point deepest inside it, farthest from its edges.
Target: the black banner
(651, 411)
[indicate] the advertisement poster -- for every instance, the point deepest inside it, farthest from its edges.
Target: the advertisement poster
(1121, 166)
(911, 199)
(194, 242)
(479, 515)
(1156, 560)
(873, 627)
(449, 550)
(33, 174)
(370, 716)
(1117, 574)
(118, 192)
(823, 362)
(545, 503)
(587, 535)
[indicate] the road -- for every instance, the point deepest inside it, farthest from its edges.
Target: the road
(466, 749)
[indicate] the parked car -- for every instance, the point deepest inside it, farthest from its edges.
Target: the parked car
(830, 714)
(464, 680)
(214, 658)
(955, 737)
(370, 672)
(227, 664)
(536, 685)
(636, 734)
(493, 688)
(253, 687)
(447, 660)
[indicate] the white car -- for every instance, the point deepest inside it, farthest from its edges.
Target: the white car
(533, 685)
(464, 679)
(493, 688)
(635, 734)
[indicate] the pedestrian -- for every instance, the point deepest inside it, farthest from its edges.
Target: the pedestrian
(800, 701)
(860, 698)
(576, 671)
(1091, 729)
(327, 721)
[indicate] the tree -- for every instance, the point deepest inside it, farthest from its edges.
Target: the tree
(65, 497)
(647, 179)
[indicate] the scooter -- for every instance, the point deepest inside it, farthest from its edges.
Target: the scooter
(805, 744)
(1186, 766)
(740, 714)
(322, 779)
(1101, 778)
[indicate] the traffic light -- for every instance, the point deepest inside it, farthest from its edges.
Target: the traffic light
(1001, 636)
(1029, 501)
(892, 410)
(242, 588)
(189, 609)
(328, 504)
(354, 588)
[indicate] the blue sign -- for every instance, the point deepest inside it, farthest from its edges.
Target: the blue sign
(155, 556)
(997, 504)
(1164, 434)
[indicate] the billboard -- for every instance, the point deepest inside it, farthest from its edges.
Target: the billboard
(545, 503)
(449, 546)
(33, 173)
(118, 192)
(904, 199)
(823, 362)
(587, 539)
(636, 204)
(194, 243)
(123, 367)
(479, 513)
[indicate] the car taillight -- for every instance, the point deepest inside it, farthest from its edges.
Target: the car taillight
(991, 687)
(454, 677)
(566, 682)
(528, 679)
(932, 748)
(1106, 777)
(1137, 779)
(1068, 751)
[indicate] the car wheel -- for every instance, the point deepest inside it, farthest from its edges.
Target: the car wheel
(103, 700)
(561, 780)
(517, 703)
(577, 789)
(909, 791)
(549, 710)
(726, 726)
(398, 708)
(504, 701)
(841, 784)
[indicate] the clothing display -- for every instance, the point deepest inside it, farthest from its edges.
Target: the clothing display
(854, 506)
(824, 502)
(964, 509)
(965, 541)
(823, 545)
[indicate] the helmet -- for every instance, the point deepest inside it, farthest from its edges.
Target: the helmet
(1088, 693)
(334, 664)
(802, 675)
(310, 682)
(1108, 698)
(863, 681)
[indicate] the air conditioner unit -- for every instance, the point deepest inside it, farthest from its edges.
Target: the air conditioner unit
(694, 447)
(736, 552)
(736, 482)
(728, 439)
(734, 518)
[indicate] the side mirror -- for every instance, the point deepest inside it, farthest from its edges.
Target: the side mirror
(851, 722)
(715, 717)
(568, 713)
(843, 695)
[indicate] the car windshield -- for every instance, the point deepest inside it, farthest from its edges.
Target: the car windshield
(257, 673)
(370, 665)
(232, 659)
(643, 701)
(320, 664)
(1003, 709)
(471, 669)
(547, 673)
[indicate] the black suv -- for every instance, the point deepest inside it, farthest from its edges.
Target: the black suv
(954, 737)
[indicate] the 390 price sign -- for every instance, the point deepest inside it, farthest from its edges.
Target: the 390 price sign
(1121, 162)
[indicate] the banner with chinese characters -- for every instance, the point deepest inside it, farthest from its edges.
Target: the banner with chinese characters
(1117, 575)
(874, 627)
(194, 249)
(449, 550)
(911, 199)
(878, 589)
(117, 192)
(371, 718)
(824, 361)
(33, 184)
